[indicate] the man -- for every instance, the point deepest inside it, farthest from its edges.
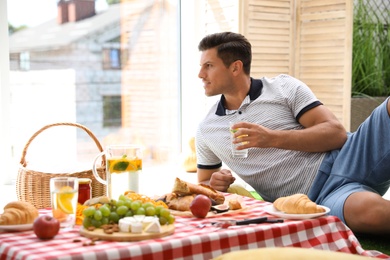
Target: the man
(296, 145)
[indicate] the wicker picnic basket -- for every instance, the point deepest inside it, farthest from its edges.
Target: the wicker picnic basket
(34, 186)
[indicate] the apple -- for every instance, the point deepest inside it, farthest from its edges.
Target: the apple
(200, 206)
(46, 227)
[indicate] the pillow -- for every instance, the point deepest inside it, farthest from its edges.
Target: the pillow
(288, 253)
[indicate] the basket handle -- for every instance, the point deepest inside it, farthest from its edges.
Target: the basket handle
(23, 159)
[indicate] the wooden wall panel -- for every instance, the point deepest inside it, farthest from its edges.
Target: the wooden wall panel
(323, 52)
(221, 15)
(269, 28)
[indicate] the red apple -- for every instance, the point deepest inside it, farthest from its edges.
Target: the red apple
(200, 206)
(46, 227)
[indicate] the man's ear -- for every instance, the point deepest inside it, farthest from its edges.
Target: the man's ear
(236, 66)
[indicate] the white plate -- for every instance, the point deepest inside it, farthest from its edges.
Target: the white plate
(270, 209)
(22, 227)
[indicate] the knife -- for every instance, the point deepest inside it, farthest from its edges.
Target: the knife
(250, 221)
(259, 220)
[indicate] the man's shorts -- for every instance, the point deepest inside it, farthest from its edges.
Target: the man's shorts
(362, 164)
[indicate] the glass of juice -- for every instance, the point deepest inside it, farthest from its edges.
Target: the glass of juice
(236, 153)
(64, 196)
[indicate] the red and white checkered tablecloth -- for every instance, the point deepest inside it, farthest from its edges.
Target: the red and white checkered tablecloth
(192, 242)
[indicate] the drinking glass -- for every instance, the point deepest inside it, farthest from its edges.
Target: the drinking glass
(236, 153)
(64, 195)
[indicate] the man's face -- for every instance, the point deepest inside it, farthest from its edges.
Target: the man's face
(214, 74)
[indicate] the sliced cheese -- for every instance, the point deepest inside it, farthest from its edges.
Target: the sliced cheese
(125, 224)
(139, 223)
(139, 218)
(136, 227)
(146, 221)
(153, 227)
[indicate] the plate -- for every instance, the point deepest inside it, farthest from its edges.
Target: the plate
(270, 209)
(22, 227)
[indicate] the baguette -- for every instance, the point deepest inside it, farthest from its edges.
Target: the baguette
(180, 203)
(297, 204)
(183, 188)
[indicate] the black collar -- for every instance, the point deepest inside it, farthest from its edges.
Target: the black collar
(254, 92)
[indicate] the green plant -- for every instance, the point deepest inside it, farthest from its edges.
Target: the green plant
(371, 51)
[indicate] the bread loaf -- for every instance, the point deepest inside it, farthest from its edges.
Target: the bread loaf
(180, 203)
(183, 188)
(297, 204)
(18, 212)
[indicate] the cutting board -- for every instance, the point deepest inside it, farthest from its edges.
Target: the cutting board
(122, 236)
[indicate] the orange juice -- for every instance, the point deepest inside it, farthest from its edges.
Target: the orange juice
(123, 166)
(64, 195)
(123, 174)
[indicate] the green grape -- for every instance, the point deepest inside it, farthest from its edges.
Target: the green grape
(158, 209)
(113, 202)
(135, 205)
(150, 211)
(98, 215)
(129, 213)
(120, 203)
(147, 204)
(165, 213)
(163, 220)
(140, 211)
(87, 222)
(96, 223)
(171, 219)
(122, 210)
(105, 220)
(114, 217)
(128, 203)
(108, 205)
(89, 211)
(122, 197)
(105, 211)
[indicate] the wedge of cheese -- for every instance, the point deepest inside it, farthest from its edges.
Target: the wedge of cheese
(153, 227)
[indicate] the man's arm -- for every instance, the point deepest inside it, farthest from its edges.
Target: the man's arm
(323, 132)
(216, 178)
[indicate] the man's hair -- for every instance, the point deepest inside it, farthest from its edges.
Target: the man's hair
(230, 47)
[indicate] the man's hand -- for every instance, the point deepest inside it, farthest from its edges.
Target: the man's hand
(221, 180)
(252, 135)
(322, 132)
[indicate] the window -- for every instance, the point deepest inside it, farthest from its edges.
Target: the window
(24, 60)
(111, 59)
(112, 111)
(119, 73)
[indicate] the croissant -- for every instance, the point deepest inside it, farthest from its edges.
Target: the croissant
(18, 212)
(297, 204)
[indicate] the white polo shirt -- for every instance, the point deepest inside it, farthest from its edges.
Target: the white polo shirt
(275, 103)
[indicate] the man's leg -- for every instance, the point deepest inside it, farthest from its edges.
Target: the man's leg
(388, 106)
(367, 212)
